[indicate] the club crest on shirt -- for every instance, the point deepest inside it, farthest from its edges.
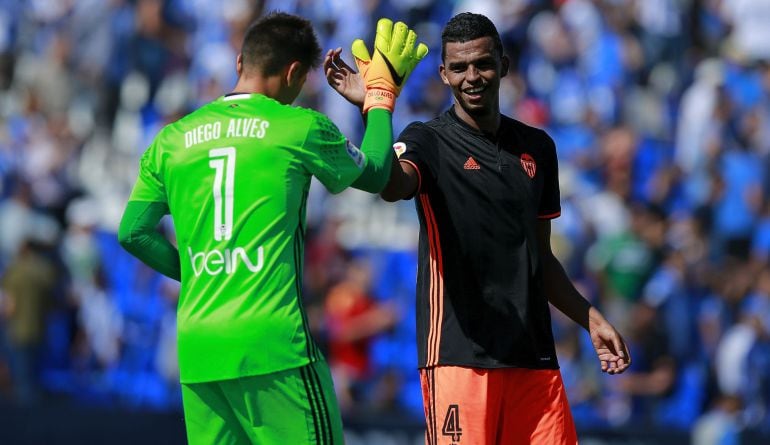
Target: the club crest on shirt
(528, 164)
(399, 148)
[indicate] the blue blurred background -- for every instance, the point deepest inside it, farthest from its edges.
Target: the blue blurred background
(660, 110)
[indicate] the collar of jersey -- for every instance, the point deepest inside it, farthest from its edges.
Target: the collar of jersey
(236, 96)
(244, 96)
(455, 118)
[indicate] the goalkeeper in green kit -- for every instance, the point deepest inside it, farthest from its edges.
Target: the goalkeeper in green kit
(234, 175)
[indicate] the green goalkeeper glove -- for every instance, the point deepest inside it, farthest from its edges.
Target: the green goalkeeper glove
(395, 57)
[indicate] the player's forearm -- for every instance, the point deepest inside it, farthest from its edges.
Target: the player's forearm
(138, 236)
(376, 144)
(563, 294)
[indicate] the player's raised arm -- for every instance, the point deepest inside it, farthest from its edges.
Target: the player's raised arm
(382, 75)
(402, 183)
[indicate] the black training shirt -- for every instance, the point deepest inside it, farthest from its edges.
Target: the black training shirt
(480, 297)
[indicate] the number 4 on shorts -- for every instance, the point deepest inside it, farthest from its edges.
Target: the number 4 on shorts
(452, 423)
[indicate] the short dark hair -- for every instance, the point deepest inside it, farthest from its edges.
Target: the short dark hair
(468, 26)
(278, 39)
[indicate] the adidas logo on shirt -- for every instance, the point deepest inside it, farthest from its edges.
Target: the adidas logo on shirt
(471, 164)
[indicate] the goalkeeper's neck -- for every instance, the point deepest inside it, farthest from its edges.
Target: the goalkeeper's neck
(284, 85)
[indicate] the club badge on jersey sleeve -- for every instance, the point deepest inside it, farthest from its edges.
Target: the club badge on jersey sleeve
(399, 148)
(357, 155)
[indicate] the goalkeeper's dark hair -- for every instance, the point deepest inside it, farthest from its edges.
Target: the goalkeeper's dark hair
(278, 39)
(468, 26)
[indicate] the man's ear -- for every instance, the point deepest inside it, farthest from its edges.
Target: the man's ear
(442, 74)
(505, 65)
(239, 65)
(294, 73)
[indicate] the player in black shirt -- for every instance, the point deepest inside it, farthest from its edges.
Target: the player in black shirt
(486, 187)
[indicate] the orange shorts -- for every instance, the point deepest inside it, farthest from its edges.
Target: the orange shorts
(505, 406)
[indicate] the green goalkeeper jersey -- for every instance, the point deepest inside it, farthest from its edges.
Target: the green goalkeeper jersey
(235, 176)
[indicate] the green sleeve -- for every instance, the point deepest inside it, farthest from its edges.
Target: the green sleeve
(149, 184)
(377, 146)
(329, 155)
(138, 236)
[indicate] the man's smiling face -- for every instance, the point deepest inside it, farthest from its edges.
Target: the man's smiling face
(473, 70)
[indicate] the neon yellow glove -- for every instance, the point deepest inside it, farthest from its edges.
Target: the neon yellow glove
(395, 57)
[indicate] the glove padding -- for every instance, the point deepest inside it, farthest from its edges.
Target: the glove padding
(395, 57)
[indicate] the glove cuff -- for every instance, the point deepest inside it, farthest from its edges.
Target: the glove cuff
(379, 98)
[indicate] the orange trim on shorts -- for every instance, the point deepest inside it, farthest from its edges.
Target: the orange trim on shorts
(429, 402)
(436, 302)
(511, 406)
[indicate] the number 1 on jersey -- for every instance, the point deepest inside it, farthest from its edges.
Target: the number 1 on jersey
(222, 160)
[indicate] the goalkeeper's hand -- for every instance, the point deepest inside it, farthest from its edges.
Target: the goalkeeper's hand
(385, 72)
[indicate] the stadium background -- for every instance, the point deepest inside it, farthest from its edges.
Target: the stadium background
(660, 110)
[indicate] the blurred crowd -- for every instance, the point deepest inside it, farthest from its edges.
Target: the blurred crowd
(660, 110)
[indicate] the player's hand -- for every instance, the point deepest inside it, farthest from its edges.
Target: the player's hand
(386, 70)
(343, 78)
(610, 347)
